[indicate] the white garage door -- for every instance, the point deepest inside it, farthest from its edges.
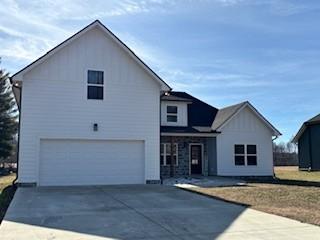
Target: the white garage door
(83, 162)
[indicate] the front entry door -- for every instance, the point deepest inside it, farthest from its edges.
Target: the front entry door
(196, 161)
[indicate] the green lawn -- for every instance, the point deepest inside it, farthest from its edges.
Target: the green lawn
(296, 195)
(6, 193)
(292, 173)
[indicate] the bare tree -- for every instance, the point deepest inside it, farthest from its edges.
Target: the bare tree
(285, 154)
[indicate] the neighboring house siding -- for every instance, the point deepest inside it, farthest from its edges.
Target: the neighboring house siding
(183, 168)
(315, 146)
(315, 136)
(304, 150)
(55, 105)
(244, 128)
(182, 113)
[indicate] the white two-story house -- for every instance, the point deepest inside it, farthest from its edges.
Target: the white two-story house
(91, 112)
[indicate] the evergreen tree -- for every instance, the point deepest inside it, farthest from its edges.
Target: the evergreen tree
(8, 117)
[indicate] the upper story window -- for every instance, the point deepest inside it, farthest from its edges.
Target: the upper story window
(95, 85)
(172, 113)
(245, 154)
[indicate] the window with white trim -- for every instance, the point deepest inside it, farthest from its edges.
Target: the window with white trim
(95, 85)
(165, 154)
(245, 154)
(172, 113)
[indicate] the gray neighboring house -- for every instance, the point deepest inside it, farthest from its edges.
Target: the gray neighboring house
(308, 140)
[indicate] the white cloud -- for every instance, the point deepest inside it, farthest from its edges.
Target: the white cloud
(30, 28)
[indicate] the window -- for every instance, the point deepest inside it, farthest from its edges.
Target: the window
(165, 154)
(172, 113)
(239, 155)
(95, 85)
(251, 155)
(245, 155)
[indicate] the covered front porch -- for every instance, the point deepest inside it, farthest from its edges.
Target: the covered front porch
(188, 155)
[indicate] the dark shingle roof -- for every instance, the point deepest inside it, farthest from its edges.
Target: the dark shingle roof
(224, 114)
(203, 118)
(171, 97)
(171, 129)
(312, 121)
(199, 112)
(315, 119)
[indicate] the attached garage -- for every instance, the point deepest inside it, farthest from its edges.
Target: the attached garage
(91, 162)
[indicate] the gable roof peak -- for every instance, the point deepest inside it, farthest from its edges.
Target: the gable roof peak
(311, 121)
(314, 119)
(19, 75)
(225, 114)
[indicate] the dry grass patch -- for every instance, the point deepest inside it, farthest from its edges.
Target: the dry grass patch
(293, 173)
(297, 202)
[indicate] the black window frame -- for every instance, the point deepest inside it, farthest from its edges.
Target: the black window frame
(251, 155)
(245, 155)
(239, 155)
(95, 85)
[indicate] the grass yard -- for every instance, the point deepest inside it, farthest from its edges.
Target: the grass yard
(292, 173)
(6, 193)
(288, 198)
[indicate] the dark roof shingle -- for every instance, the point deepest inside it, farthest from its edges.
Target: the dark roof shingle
(224, 114)
(199, 112)
(315, 119)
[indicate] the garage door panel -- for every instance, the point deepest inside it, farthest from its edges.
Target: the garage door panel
(80, 162)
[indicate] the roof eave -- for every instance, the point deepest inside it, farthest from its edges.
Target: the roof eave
(186, 134)
(299, 133)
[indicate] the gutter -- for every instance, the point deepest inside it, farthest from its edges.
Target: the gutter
(14, 182)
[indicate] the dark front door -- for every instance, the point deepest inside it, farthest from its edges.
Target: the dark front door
(196, 161)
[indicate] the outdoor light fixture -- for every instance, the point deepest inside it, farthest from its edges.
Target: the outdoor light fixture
(95, 127)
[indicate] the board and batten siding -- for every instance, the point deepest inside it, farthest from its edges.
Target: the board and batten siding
(182, 116)
(308, 148)
(245, 128)
(55, 104)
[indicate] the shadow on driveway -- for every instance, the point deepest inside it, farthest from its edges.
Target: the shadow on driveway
(134, 212)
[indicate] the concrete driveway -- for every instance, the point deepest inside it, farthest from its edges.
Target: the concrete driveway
(139, 212)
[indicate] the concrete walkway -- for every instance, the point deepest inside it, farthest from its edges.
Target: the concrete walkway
(138, 212)
(202, 181)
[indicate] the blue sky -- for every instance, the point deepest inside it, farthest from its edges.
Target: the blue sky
(221, 51)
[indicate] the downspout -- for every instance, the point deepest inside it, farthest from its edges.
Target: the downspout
(273, 155)
(14, 182)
